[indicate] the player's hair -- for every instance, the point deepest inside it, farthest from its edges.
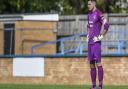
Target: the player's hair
(92, 0)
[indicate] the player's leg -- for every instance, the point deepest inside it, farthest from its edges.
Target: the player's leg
(97, 55)
(92, 66)
(100, 74)
(93, 73)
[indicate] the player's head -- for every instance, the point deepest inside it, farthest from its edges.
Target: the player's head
(91, 4)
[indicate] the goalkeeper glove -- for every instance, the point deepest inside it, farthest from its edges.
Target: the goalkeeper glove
(99, 38)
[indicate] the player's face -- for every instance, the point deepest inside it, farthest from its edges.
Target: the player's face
(91, 5)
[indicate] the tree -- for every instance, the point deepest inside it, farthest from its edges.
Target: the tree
(28, 6)
(63, 7)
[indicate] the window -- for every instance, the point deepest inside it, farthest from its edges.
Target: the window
(9, 39)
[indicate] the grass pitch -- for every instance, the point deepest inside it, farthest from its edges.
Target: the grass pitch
(15, 86)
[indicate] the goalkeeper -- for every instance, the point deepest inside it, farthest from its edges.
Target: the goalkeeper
(94, 37)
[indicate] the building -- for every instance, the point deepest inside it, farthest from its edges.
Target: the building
(20, 32)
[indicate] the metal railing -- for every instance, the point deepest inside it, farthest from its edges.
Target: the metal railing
(111, 47)
(78, 49)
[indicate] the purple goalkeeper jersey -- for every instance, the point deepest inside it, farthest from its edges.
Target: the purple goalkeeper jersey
(95, 22)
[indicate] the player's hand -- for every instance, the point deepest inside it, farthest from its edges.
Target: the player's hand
(99, 38)
(95, 39)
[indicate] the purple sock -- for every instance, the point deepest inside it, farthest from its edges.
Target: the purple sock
(93, 76)
(100, 75)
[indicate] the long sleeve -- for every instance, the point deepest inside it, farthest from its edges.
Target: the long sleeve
(104, 21)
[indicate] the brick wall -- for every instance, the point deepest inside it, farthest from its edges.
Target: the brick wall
(69, 71)
(36, 32)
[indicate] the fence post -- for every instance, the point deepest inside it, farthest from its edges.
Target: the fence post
(62, 46)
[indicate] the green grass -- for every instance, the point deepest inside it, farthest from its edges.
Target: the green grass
(14, 86)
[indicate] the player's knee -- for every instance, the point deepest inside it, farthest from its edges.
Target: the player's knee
(98, 64)
(92, 64)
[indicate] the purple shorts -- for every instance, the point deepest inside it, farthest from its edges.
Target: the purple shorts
(94, 52)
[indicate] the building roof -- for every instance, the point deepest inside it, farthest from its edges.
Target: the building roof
(30, 17)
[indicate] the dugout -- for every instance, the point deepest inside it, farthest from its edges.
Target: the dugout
(18, 33)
